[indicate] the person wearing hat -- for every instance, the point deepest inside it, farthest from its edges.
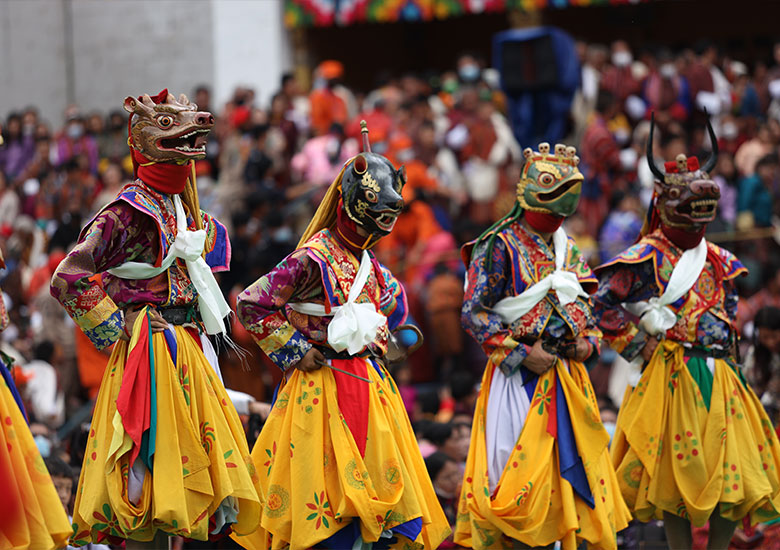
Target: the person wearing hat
(327, 105)
(693, 443)
(338, 462)
(538, 469)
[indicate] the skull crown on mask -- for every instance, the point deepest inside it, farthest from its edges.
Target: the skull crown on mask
(550, 182)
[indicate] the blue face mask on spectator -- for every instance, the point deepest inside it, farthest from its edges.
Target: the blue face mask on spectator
(44, 445)
(469, 72)
(610, 427)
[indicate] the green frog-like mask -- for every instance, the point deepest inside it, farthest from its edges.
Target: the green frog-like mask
(550, 182)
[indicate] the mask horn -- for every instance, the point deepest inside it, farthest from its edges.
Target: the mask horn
(713, 160)
(650, 161)
(364, 132)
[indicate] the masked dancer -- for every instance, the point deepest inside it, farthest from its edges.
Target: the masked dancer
(693, 443)
(338, 462)
(538, 469)
(166, 453)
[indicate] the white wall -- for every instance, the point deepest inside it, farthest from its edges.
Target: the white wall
(32, 54)
(128, 47)
(252, 50)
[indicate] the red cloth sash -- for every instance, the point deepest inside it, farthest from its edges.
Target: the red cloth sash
(353, 398)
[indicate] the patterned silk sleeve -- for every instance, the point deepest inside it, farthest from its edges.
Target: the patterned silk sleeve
(393, 300)
(731, 300)
(3, 315)
(485, 326)
(261, 310)
(619, 284)
(116, 235)
(593, 336)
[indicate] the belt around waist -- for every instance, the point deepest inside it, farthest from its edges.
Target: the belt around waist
(180, 315)
(330, 353)
(704, 353)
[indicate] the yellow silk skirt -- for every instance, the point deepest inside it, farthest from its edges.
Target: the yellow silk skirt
(532, 503)
(201, 457)
(33, 516)
(672, 454)
(314, 481)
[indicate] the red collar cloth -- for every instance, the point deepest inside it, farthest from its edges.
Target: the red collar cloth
(165, 177)
(542, 221)
(347, 233)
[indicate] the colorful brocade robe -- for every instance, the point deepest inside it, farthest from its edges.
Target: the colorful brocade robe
(139, 226)
(520, 259)
(538, 469)
(706, 314)
(337, 459)
(320, 272)
(692, 438)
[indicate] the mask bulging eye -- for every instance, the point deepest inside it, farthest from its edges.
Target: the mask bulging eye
(371, 196)
(165, 121)
(546, 179)
(674, 193)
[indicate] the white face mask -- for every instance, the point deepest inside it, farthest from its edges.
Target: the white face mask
(622, 59)
(610, 427)
(729, 130)
(622, 136)
(667, 70)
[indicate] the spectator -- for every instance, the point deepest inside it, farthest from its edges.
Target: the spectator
(445, 475)
(756, 194)
(619, 78)
(768, 295)
(762, 363)
(47, 404)
(751, 151)
(63, 477)
(74, 141)
(667, 91)
(19, 146)
(321, 158)
(600, 157)
(328, 106)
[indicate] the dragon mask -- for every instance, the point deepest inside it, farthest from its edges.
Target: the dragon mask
(550, 183)
(164, 129)
(685, 197)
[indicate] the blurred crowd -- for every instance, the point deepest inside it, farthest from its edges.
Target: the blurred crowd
(268, 166)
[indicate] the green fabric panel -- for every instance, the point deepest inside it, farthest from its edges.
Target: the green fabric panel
(701, 374)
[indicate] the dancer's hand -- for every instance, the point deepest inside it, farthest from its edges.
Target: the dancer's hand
(158, 323)
(577, 349)
(649, 349)
(538, 360)
(312, 361)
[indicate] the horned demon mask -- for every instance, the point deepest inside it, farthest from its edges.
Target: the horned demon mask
(686, 197)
